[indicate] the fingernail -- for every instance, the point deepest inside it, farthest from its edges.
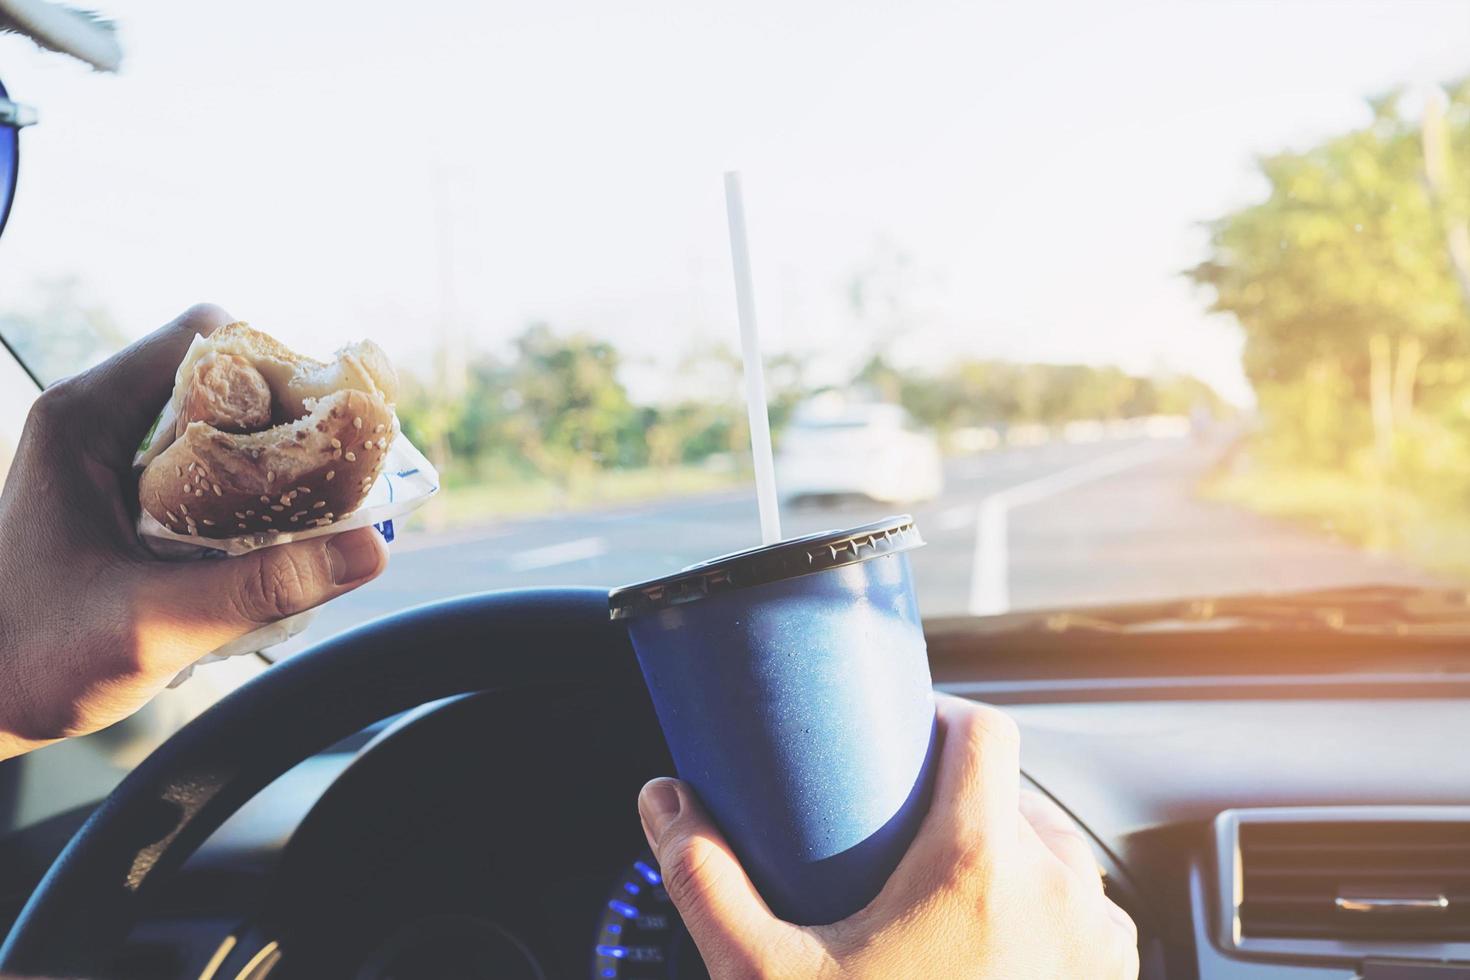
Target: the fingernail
(658, 804)
(353, 556)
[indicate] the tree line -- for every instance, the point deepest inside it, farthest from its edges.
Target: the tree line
(555, 406)
(1351, 281)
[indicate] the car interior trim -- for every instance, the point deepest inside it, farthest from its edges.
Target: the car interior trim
(1228, 882)
(1214, 688)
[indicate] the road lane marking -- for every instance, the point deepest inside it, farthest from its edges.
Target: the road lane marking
(990, 587)
(562, 553)
(989, 575)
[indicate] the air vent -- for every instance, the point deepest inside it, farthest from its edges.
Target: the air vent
(1371, 880)
(1350, 879)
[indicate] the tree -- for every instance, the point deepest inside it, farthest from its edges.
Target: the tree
(62, 331)
(977, 393)
(570, 415)
(1345, 267)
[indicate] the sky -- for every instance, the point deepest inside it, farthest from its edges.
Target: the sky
(1027, 179)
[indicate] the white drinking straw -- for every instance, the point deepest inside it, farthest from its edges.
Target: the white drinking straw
(755, 382)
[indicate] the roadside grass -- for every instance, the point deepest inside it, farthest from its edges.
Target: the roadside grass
(1411, 523)
(467, 501)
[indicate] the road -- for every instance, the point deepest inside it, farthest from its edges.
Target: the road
(1060, 524)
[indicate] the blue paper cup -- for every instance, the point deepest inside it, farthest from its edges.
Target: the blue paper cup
(792, 685)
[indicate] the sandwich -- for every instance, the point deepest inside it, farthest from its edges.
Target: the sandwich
(260, 440)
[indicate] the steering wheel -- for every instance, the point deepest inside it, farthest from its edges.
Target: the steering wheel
(84, 907)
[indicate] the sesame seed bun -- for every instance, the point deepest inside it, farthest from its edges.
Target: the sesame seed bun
(292, 378)
(313, 467)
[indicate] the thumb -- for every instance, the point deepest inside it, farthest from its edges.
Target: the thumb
(725, 915)
(210, 603)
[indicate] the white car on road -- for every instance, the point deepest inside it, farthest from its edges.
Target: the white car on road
(837, 447)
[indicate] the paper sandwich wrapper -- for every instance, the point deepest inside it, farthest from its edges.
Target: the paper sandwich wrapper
(407, 481)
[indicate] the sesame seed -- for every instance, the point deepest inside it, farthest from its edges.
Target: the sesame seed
(209, 522)
(357, 422)
(329, 515)
(299, 513)
(270, 476)
(331, 474)
(198, 492)
(295, 518)
(303, 489)
(184, 509)
(241, 526)
(188, 487)
(286, 499)
(378, 427)
(264, 499)
(240, 514)
(336, 454)
(352, 457)
(171, 518)
(193, 467)
(216, 489)
(277, 507)
(178, 471)
(250, 513)
(336, 443)
(318, 505)
(266, 518)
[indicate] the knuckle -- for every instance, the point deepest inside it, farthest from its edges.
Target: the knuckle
(933, 885)
(128, 658)
(684, 863)
(56, 404)
(964, 863)
(991, 726)
(203, 317)
(984, 735)
(279, 586)
(970, 866)
(1062, 892)
(1055, 893)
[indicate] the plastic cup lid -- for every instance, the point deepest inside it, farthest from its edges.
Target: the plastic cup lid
(771, 563)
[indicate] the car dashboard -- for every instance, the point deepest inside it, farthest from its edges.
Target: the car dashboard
(1267, 807)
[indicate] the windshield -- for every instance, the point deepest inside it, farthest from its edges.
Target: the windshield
(1124, 302)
